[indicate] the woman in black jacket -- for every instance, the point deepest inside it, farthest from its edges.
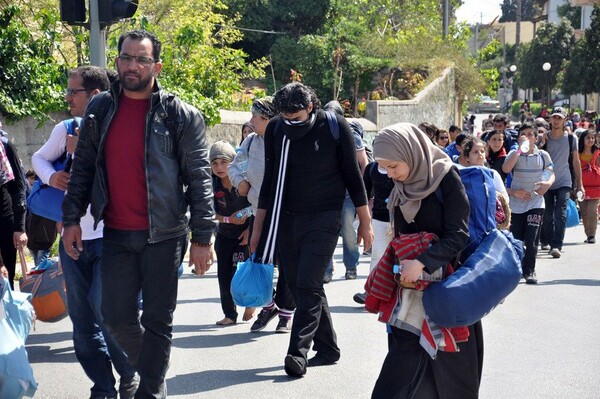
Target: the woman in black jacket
(12, 207)
(419, 169)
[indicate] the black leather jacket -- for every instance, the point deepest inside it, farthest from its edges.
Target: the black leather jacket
(178, 173)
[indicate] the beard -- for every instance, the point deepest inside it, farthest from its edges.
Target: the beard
(139, 84)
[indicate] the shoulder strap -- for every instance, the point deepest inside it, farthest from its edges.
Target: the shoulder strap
(333, 125)
(250, 143)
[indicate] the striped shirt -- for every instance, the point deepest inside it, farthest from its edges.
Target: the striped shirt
(528, 171)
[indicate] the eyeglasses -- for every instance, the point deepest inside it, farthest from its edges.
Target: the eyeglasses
(444, 137)
(142, 60)
(72, 92)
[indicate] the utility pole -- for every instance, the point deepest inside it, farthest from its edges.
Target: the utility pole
(515, 88)
(445, 19)
(97, 37)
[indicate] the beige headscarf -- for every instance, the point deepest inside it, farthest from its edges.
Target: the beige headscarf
(427, 164)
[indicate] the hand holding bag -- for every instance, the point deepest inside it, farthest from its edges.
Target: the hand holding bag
(252, 284)
(572, 214)
(47, 289)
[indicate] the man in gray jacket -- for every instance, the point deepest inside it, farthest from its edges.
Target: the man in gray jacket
(138, 148)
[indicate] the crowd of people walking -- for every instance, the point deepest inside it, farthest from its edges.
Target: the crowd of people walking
(144, 184)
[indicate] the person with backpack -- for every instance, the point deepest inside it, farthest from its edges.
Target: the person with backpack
(142, 163)
(248, 181)
(563, 149)
(350, 252)
(422, 173)
(318, 170)
(532, 177)
(96, 350)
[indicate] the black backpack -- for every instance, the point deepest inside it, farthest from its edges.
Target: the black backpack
(41, 232)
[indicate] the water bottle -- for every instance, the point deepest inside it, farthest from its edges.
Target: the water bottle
(546, 174)
(241, 160)
(244, 212)
(580, 196)
(524, 147)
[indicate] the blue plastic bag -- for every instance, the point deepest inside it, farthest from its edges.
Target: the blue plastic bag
(572, 214)
(488, 276)
(252, 284)
(16, 316)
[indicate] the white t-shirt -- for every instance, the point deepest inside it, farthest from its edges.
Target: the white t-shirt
(42, 160)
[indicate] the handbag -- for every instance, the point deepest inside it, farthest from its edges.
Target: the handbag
(572, 214)
(488, 276)
(16, 318)
(47, 201)
(47, 289)
(252, 283)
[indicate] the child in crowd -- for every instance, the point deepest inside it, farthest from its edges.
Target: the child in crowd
(474, 154)
(231, 243)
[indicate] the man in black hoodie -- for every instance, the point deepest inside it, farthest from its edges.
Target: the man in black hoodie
(319, 170)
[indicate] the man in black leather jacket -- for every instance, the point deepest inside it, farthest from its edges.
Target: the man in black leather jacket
(138, 148)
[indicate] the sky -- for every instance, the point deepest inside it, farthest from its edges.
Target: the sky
(478, 11)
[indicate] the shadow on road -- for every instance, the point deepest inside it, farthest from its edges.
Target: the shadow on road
(348, 309)
(582, 282)
(210, 380)
(43, 354)
(198, 300)
(205, 339)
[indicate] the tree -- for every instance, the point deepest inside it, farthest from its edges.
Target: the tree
(31, 83)
(573, 14)
(529, 9)
(553, 44)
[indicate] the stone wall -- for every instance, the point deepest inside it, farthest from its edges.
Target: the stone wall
(436, 104)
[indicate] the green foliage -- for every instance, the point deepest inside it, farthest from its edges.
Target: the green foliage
(573, 14)
(535, 108)
(552, 43)
(529, 9)
(31, 82)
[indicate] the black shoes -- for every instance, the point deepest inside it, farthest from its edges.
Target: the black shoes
(360, 298)
(351, 274)
(531, 278)
(294, 366)
(591, 240)
(319, 360)
(264, 317)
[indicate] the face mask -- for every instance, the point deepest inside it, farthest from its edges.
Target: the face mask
(297, 129)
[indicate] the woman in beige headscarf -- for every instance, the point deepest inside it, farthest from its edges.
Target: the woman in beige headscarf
(419, 169)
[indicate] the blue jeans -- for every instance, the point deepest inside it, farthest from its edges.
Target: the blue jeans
(130, 264)
(350, 247)
(39, 255)
(94, 347)
(555, 217)
(351, 252)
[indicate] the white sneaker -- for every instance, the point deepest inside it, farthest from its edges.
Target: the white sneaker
(555, 252)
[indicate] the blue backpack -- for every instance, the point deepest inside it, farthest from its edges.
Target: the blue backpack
(479, 186)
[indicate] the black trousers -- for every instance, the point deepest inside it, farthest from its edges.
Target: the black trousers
(7, 247)
(526, 227)
(130, 264)
(229, 253)
(305, 245)
(408, 372)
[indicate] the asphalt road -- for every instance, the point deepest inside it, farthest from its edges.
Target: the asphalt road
(541, 343)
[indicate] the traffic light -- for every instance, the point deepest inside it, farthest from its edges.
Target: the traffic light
(73, 11)
(113, 10)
